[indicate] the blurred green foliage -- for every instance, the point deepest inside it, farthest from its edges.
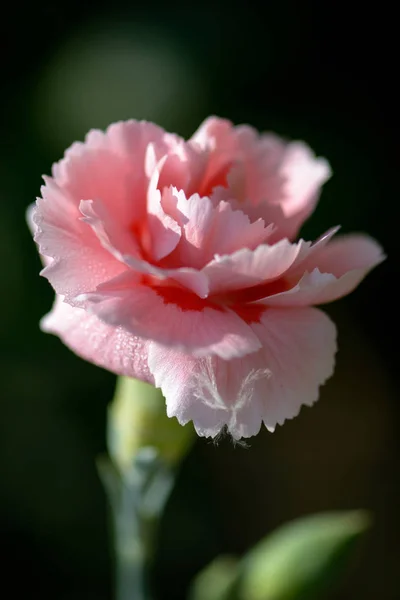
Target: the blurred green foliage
(296, 562)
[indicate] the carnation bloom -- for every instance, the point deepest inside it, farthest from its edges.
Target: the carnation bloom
(175, 262)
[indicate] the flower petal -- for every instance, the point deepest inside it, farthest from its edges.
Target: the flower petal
(303, 175)
(346, 253)
(174, 318)
(123, 246)
(273, 179)
(299, 348)
(111, 234)
(109, 347)
(269, 385)
(164, 232)
(110, 166)
(208, 230)
(278, 173)
(246, 268)
(342, 265)
(76, 261)
(216, 139)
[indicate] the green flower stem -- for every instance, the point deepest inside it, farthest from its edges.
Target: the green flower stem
(137, 498)
(144, 448)
(131, 554)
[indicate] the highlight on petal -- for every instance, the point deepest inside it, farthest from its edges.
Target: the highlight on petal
(268, 386)
(112, 348)
(164, 232)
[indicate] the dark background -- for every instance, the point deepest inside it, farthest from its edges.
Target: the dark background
(316, 72)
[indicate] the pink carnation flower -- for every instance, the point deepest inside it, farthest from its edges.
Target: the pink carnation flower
(175, 262)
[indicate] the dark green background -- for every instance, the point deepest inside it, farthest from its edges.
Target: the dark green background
(310, 71)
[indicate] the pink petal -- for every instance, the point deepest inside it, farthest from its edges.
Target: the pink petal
(103, 174)
(58, 210)
(164, 232)
(111, 166)
(256, 179)
(123, 246)
(209, 230)
(189, 386)
(233, 230)
(303, 174)
(30, 220)
(188, 280)
(273, 179)
(283, 174)
(346, 253)
(112, 348)
(299, 347)
(110, 233)
(76, 261)
(216, 138)
(246, 268)
(184, 168)
(173, 317)
(213, 133)
(270, 385)
(199, 216)
(342, 265)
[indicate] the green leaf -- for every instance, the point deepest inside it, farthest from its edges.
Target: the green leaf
(216, 581)
(301, 558)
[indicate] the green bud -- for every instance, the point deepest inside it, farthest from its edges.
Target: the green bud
(137, 419)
